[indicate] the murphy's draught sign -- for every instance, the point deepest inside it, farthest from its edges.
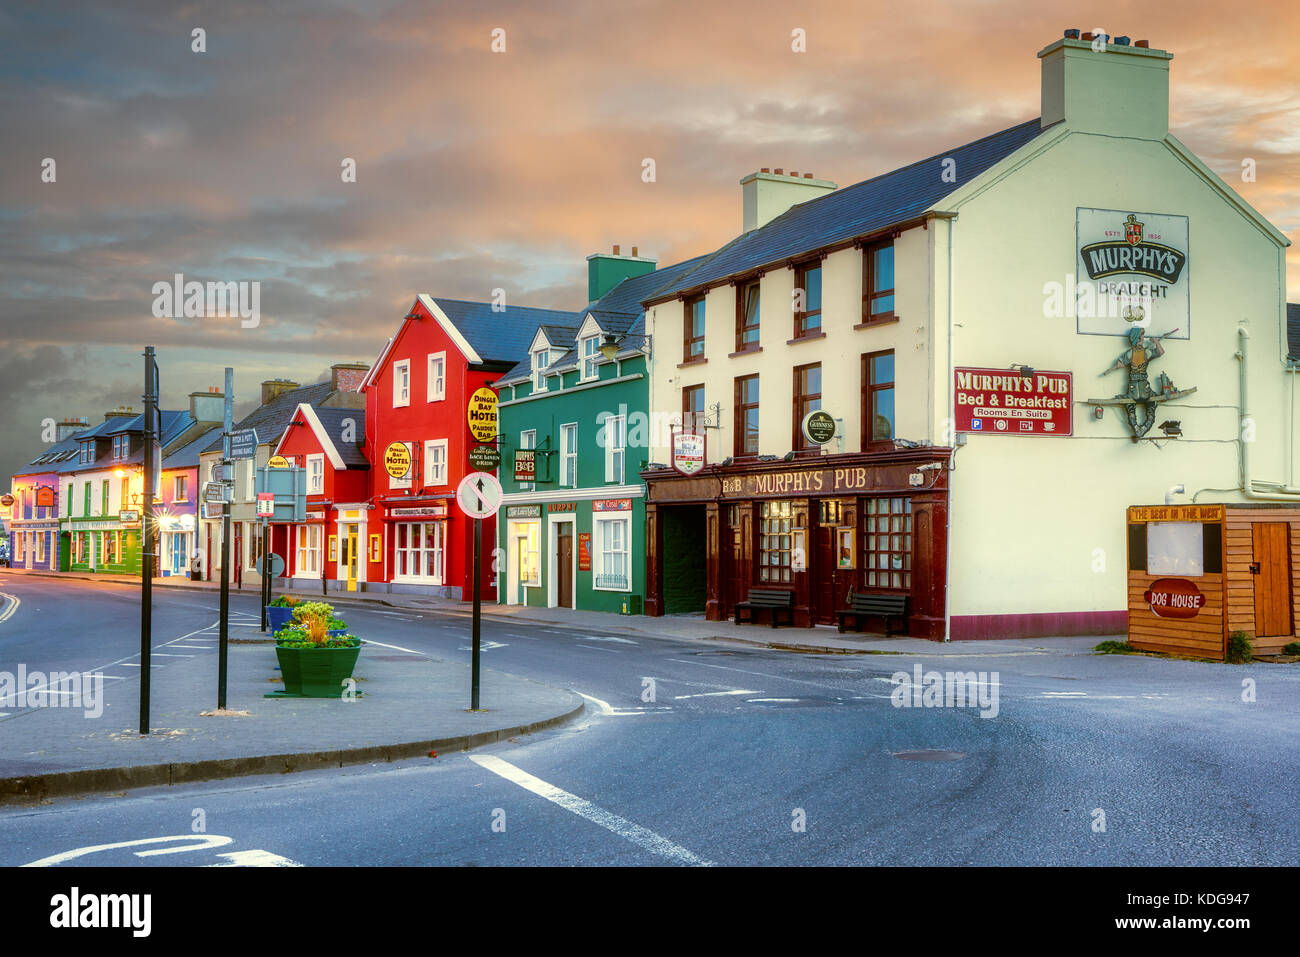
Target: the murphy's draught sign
(1131, 270)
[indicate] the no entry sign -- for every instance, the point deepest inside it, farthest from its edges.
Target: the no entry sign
(479, 495)
(1011, 402)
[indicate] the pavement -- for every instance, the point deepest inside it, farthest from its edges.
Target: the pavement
(408, 705)
(820, 639)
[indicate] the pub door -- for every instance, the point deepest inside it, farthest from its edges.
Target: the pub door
(1272, 571)
(824, 576)
(564, 565)
(735, 576)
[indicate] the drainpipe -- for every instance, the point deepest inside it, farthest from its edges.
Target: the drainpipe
(952, 418)
(1269, 491)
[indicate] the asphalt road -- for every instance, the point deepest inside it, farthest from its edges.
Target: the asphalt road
(699, 752)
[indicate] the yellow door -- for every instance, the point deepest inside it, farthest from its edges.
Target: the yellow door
(351, 557)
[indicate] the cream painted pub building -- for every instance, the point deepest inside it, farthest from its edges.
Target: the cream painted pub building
(1017, 339)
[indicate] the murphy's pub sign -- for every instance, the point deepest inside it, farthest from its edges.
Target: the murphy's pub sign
(1131, 270)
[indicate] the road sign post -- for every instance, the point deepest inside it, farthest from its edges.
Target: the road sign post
(479, 497)
(146, 532)
(223, 630)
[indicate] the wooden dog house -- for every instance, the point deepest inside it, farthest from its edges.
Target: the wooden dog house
(1198, 573)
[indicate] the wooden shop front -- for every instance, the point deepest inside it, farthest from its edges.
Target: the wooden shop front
(818, 526)
(1199, 573)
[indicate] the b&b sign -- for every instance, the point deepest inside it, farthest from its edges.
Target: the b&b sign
(525, 465)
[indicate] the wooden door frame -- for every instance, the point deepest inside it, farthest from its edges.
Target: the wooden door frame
(553, 557)
(1286, 564)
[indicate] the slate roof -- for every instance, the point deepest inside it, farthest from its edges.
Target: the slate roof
(173, 424)
(332, 420)
(499, 336)
(272, 419)
(58, 452)
(1293, 330)
(187, 456)
(866, 207)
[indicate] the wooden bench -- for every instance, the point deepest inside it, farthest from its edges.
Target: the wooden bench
(864, 605)
(773, 600)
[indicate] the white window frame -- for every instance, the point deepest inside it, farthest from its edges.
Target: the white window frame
(528, 440)
(615, 448)
(600, 555)
(436, 389)
(252, 481)
(432, 477)
(252, 543)
(310, 553)
(180, 488)
(316, 474)
(590, 362)
(404, 556)
(401, 383)
(541, 360)
(403, 482)
(569, 455)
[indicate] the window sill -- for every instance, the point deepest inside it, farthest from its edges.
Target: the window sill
(752, 350)
(698, 361)
(877, 321)
(807, 337)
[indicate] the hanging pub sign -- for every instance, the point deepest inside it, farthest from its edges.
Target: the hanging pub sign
(688, 452)
(525, 465)
(45, 496)
(1131, 270)
(818, 427)
(1011, 402)
(482, 414)
(397, 459)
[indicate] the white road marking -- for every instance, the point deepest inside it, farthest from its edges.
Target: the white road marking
(610, 711)
(198, 843)
(638, 835)
(254, 858)
(1064, 694)
(779, 700)
(605, 706)
(371, 641)
(483, 646)
(621, 641)
(759, 674)
(10, 608)
(163, 654)
(712, 694)
(596, 648)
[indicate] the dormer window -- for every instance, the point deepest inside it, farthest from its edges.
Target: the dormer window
(87, 453)
(121, 447)
(541, 359)
(590, 356)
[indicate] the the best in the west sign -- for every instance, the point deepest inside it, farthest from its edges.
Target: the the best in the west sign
(1131, 270)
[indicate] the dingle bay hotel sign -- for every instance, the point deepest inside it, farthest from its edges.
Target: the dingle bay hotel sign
(1130, 270)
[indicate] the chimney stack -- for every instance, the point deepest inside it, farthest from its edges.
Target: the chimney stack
(1117, 90)
(347, 376)
(208, 407)
(607, 270)
(273, 388)
(70, 426)
(765, 196)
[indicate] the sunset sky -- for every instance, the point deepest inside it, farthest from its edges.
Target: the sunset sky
(478, 170)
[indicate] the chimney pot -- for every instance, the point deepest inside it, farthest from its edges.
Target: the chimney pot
(807, 175)
(1086, 36)
(1072, 34)
(616, 250)
(780, 171)
(766, 169)
(1121, 41)
(633, 250)
(794, 172)
(1143, 44)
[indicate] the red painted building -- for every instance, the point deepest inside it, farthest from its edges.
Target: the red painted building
(417, 393)
(335, 542)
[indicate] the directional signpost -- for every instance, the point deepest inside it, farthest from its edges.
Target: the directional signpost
(479, 497)
(243, 444)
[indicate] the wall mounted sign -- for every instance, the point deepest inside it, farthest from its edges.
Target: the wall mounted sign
(6, 500)
(1138, 390)
(584, 551)
(211, 510)
(612, 505)
(525, 465)
(427, 511)
(484, 458)
(397, 459)
(45, 497)
(524, 511)
(818, 427)
(1174, 598)
(243, 444)
(688, 452)
(482, 414)
(1130, 269)
(265, 504)
(562, 507)
(1175, 513)
(279, 462)
(1008, 402)
(128, 516)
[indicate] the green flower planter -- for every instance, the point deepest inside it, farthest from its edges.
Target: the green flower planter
(316, 672)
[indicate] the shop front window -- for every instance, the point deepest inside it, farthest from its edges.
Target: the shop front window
(309, 548)
(775, 537)
(526, 542)
(419, 551)
(887, 543)
(612, 558)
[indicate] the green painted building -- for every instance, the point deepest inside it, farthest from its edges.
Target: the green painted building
(575, 432)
